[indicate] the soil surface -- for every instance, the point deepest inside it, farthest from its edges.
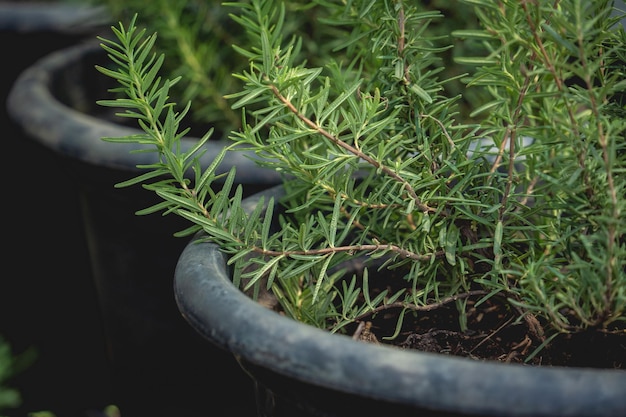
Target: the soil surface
(494, 333)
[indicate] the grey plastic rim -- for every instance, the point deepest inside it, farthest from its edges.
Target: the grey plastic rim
(72, 133)
(41, 17)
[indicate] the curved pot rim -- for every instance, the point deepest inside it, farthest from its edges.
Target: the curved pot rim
(224, 315)
(59, 17)
(67, 131)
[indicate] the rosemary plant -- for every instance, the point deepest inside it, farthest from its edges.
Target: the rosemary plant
(524, 199)
(196, 36)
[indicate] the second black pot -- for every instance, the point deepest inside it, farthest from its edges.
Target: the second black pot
(159, 363)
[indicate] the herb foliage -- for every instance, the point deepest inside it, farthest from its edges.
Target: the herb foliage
(523, 199)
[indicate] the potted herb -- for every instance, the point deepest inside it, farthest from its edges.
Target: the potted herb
(413, 260)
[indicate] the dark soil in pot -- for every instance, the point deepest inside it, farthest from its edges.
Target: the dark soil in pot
(493, 333)
(495, 330)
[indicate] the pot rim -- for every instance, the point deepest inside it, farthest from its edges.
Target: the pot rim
(71, 133)
(33, 17)
(221, 313)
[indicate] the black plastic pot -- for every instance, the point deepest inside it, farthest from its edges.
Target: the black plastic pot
(304, 371)
(47, 299)
(159, 364)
